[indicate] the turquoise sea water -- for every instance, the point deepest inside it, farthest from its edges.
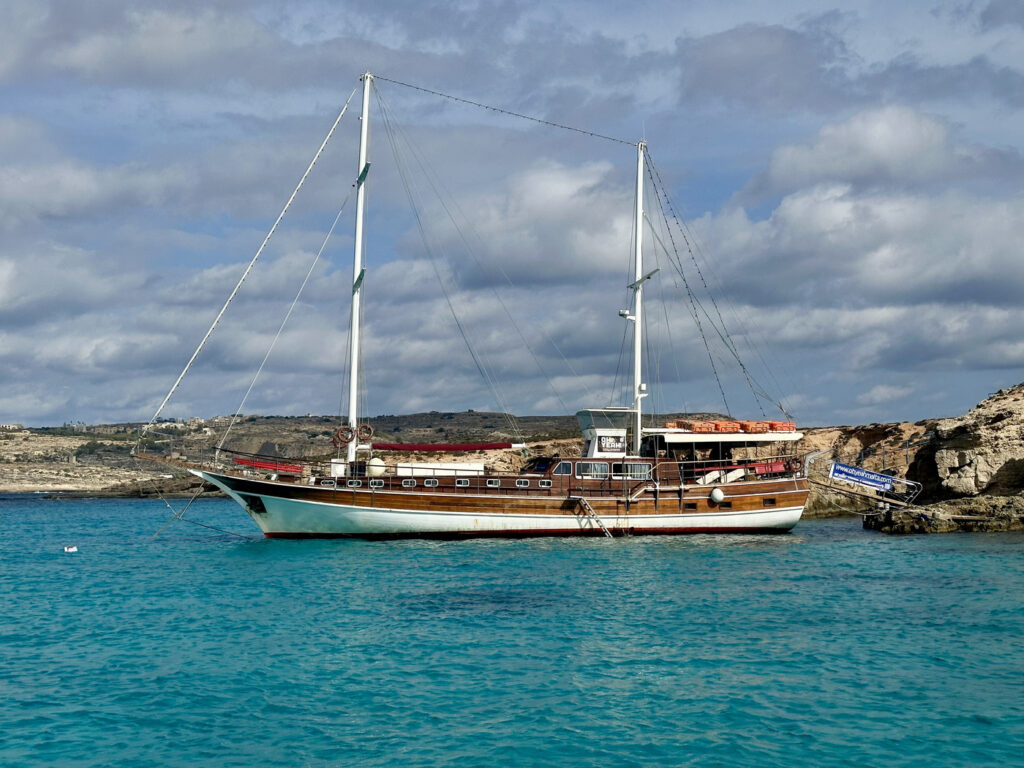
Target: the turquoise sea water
(829, 646)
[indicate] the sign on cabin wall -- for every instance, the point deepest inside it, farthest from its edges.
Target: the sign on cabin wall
(860, 476)
(611, 444)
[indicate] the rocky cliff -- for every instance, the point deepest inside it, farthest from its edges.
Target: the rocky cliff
(981, 452)
(972, 472)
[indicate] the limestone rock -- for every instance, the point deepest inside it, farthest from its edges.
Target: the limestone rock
(981, 452)
(980, 514)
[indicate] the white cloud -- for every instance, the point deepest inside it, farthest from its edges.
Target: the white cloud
(894, 146)
(153, 44)
(883, 393)
(62, 189)
(34, 405)
(20, 23)
(145, 148)
(885, 144)
(56, 281)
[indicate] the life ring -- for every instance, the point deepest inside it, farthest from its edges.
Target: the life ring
(343, 436)
(364, 432)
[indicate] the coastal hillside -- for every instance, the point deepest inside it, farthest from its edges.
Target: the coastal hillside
(96, 459)
(971, 461)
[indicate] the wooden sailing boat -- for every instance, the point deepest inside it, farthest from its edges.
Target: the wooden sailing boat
(688, 477)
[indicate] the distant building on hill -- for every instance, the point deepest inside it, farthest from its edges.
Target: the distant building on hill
(11, 427)
(109, 429)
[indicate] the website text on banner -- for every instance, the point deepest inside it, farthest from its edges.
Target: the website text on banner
(860, 476)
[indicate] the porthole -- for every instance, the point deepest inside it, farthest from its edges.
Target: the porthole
(462, 482)
(545, 483)
(376, 483)
(408, 483)
(494, 483)
(355, 483)
(430, 482)
(522, 483)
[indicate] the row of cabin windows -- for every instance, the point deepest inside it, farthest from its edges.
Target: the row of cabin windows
(598, 470)
(590, 470)
(460, 482)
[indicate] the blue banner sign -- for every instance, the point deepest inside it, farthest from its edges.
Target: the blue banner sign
(860, 476)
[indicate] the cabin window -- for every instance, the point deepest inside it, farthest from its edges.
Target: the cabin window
(563, 468)
(430, 482)
(355, 483)
(376, 483)
(494, 483)
(768, 502)
(328, 483)
(462, 482)
(632, 470)
(408, 483)
(522, 483)
(689, 505)
(544, 483)
(597, 470)
(725, 505)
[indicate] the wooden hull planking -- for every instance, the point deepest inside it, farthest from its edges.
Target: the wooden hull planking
(288, 510)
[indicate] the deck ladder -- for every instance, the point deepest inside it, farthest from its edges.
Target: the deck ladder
(584, 508)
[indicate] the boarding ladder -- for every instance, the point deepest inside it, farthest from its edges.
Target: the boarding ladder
(584, 510)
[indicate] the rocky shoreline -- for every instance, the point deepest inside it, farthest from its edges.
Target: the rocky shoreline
(986, 514)
(971, 469)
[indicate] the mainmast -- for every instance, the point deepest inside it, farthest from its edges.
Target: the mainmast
(358, 270)
(639, 388)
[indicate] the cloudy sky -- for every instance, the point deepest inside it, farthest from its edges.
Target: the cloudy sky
(850, 177)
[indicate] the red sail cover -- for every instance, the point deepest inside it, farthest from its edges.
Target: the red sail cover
(447, 447)
(274, 466)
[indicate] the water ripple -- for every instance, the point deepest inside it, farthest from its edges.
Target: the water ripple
(829, 646)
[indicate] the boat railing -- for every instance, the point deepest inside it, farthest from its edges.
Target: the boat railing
(722, 471)
(661, 473)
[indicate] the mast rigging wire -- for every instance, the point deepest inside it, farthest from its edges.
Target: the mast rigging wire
(435, 182)
(248, 269)
(390, 130)
(720, 327)
(507, 112)
(309, 273)
(692, 301)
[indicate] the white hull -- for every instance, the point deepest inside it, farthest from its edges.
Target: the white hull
(299, 518)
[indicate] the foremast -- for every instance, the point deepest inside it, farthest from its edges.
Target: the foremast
(358, 270)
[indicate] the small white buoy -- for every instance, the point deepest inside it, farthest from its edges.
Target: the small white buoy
(71, 549)
(717, 495)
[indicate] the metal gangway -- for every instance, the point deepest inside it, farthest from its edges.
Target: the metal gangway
(859, 483)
